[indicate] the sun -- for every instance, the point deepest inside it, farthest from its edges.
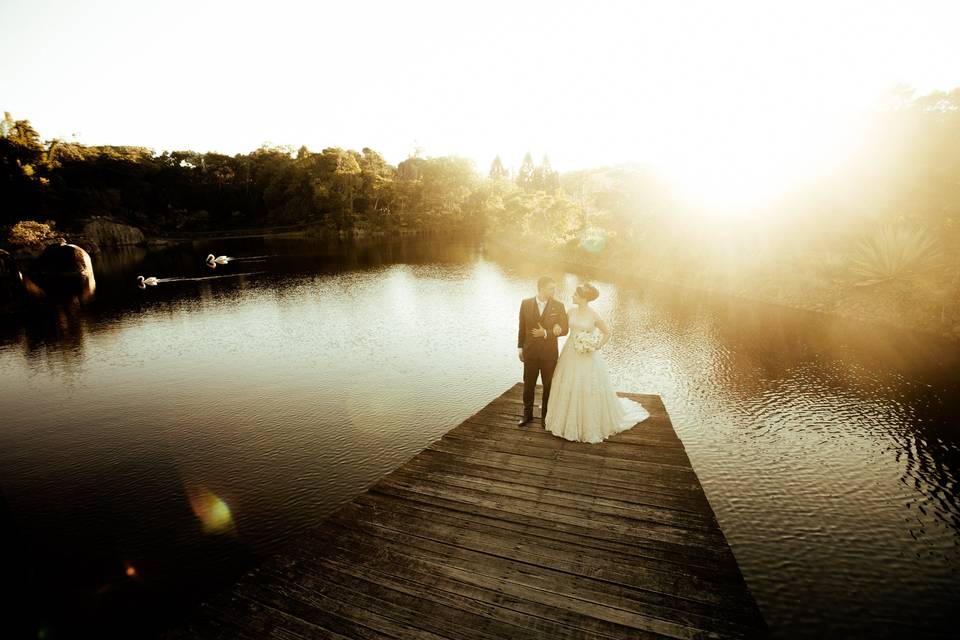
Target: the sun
(739, 165)
(727, 178)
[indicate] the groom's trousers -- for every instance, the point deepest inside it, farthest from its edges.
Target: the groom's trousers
(533, 367)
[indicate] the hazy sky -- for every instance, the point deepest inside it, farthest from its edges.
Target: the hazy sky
(589, 83)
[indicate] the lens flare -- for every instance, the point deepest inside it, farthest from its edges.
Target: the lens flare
(593, 240)
(214, 514)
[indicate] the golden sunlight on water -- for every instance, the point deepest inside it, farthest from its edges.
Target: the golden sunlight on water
(764, 194)
(180, 432)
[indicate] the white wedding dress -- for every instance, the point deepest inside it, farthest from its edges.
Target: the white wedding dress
(583, 405)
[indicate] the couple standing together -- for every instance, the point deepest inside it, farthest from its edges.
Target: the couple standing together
(579, 403)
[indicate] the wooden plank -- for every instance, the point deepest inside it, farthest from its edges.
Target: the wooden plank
(649, 532)
(588, 533)
(468, 589)
(585, 486)
(561, 501)
(548, 468)
(655, 429)
(315, 595)
(646, 431)
(546, 532)
(666, 578)
(646, 609)
(478, 432)
(431, 610)
(506, 426)
(662, 475)
(499, 531)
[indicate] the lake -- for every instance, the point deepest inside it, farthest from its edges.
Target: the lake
(156, 443)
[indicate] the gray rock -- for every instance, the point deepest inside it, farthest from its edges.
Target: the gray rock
(107, 233)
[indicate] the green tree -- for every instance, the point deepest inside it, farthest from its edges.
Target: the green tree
(376, 177)
(337, 182)
(497, 170)
(545, 178)
(525, 174)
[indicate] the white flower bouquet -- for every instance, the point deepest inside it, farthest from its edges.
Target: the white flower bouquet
(586, 341)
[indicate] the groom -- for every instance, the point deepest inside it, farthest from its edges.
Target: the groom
(542, 320)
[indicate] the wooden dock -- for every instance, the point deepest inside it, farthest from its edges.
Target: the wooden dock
(503, 532)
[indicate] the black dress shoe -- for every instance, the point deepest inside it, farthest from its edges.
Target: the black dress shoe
(524, 420)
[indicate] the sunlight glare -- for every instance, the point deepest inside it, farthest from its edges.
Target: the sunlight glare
(732, 166)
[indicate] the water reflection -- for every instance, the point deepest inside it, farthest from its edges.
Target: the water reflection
(170, 436)
(113, 260)
(52, 335)
(827, 447)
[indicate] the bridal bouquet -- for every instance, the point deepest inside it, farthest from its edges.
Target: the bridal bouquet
(586, 341)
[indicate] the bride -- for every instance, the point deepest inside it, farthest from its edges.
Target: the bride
(583, 404)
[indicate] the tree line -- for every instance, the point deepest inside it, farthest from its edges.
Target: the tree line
(909, 172)
(184, 191)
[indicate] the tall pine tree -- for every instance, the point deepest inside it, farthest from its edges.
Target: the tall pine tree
(525, 175)
(497, 171)
(548, 178)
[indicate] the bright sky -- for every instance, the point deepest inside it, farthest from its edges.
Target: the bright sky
(686, 85)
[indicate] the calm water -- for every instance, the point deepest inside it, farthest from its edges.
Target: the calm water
(829, 451)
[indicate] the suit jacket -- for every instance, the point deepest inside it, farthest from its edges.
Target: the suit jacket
(539, 347)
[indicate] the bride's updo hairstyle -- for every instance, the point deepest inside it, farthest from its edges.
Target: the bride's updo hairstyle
(587, 292)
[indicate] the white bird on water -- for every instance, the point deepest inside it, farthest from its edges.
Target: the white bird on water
(218, 259)
(147, 281)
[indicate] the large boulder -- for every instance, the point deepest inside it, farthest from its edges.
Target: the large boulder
(107, 233)
(8, 266)
(11, 282)
(62, 262)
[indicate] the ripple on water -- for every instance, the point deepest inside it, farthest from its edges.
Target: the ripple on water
(832, 466)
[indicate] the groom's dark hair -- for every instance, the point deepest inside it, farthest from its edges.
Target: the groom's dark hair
(544, 281)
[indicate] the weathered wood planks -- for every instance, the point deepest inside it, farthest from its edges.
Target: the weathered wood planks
(496, 531)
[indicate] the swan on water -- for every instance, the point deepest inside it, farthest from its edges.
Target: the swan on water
(218, 259)
(150, 281)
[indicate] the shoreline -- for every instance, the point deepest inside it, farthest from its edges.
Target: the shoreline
(498, 243)
(294, 231)
(607, 272)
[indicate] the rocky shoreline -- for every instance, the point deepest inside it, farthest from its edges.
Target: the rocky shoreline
(42, 261)
(23, 274)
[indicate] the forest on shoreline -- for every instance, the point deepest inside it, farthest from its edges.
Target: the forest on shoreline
(877, 238)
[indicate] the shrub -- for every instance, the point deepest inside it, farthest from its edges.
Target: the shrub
(32, 234)
(894, 253)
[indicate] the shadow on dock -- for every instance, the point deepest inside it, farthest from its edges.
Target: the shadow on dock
(496, 531)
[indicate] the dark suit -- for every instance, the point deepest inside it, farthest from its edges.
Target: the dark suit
(539, 353)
